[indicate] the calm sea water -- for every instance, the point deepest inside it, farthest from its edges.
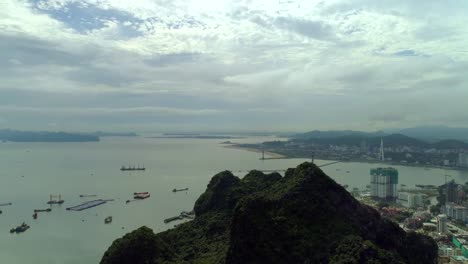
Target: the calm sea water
(29, 172)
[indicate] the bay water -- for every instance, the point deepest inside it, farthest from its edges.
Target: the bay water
(30, 172)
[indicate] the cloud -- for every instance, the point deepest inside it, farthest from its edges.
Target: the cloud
(295, 64)
(308, 28)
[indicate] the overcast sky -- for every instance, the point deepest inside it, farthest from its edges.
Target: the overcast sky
(276, 65)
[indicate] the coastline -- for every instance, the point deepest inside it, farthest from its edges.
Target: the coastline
(274, 155)
(271, 155)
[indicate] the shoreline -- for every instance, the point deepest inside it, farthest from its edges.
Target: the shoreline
(272, 155)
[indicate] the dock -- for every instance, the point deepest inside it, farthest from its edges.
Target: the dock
(88, 205)
(183, 215)
(170, 219)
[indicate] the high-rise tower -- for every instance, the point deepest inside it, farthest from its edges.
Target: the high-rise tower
(382, 154)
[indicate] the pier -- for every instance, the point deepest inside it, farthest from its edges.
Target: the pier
(183, 215)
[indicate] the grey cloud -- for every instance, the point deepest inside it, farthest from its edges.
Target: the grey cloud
(174, 58)
(308, 28)
(409, 53)
(33, 51)
(389, 117)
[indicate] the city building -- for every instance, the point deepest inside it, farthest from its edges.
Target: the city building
(410, 200)
(451, 192)
(463, 160)
(442, 224)
(456, 212)
(461, 244)
(384, 183)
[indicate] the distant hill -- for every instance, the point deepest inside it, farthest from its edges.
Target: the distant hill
(338, 133)
(303, 217)
(44, 136)
(436, 132)
(113, 134)
(393, 140)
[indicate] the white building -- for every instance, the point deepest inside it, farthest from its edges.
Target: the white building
(410, 200)
(442, 224)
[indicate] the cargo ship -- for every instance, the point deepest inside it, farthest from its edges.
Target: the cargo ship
(132, 168)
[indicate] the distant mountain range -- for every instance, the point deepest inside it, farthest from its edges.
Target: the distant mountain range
(338, 133)
(436, 132)
(392, 140)
(426, 133)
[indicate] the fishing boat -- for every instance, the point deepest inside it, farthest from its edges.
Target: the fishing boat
(108, 220)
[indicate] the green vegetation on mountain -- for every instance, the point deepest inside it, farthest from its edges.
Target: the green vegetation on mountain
(303, 217)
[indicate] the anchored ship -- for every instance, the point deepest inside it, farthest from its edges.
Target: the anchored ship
(132, 168)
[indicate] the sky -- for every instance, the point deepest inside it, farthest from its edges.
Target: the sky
(245, 65)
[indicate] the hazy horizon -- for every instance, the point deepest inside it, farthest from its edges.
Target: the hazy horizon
(285, 66)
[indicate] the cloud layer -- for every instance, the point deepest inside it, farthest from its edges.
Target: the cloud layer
(232, 65)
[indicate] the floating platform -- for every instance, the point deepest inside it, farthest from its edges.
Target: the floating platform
(87, 205)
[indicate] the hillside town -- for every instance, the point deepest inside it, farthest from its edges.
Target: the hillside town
(440, 212)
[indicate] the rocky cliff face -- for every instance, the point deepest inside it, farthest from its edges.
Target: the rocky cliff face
(303, 217)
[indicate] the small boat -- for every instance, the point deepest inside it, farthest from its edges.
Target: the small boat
(35, 215)
(180, 190)
(42, 210)
(108, 220)
(141, 196)
(20, 229)
(138, 193)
